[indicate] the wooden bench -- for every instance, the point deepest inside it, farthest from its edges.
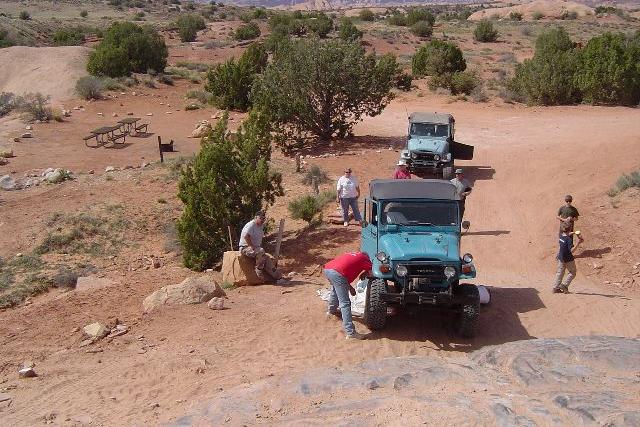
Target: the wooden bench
(88, 138)
(114, 138)
(142, 126)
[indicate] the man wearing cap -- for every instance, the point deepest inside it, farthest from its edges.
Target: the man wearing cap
(463, 188)
(251, 246)
(340, 272)
(402, 172)
(348, 192)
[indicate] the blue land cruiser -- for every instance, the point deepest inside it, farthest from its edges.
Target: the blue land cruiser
(411, 231)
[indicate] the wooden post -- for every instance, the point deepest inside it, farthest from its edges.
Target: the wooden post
(230, 238)
(276, 255)
(297, 162)
(160, 149)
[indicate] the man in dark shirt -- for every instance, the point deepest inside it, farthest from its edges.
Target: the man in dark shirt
(565, 261)
(568, 214)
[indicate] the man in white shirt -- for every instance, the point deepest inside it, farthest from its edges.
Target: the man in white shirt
(347, 194)
(463, 188)
(251, 246)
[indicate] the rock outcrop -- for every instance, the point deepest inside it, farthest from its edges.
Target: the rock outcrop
(193, 290)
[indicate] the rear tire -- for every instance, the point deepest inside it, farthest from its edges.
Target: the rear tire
(466, 323)
(375, 309)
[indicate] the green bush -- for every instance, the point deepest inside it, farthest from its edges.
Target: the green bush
(228, 181)
(460, 82)
(537, 15)
(437, 57)
(89, 87)
(188, 26)
(84, 13)
(35, 105)
(4, 39)
(68, 37)
(366, 15)
(485, 32)
(7, 103)
(515, 16)
(422, 29)
(569, 15)
(319, 24)
(418, 14)
(247, 32)
(398, 19)
(625, 182)
(24, 15)
(350, 83)
(126, 48)
(608, 70)
(548, 77)
(230, 82)
(305, 208)
(348, 31)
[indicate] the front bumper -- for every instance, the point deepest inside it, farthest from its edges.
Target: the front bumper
(447, 299)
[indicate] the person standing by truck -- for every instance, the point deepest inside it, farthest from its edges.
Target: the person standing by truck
(402, 172)
(340, 272)
(348, 192)
(463, 188)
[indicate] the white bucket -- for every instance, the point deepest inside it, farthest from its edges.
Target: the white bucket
(485, 296)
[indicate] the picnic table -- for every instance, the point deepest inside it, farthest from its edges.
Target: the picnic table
(130, 126)
(107, 132)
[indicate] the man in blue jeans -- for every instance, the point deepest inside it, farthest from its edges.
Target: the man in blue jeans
(340, 272)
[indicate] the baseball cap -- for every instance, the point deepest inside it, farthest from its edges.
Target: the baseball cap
(402, 162)
(458, 170)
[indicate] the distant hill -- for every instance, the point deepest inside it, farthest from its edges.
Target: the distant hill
(341, 4)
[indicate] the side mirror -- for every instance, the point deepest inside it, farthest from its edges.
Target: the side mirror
(465, 225)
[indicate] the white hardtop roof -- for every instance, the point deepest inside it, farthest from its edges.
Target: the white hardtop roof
(412, 189)
(437, 118)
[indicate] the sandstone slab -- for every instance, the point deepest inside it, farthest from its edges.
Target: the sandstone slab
(193, 290)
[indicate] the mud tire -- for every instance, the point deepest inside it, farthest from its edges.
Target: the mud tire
(466, 322)
(375, 310)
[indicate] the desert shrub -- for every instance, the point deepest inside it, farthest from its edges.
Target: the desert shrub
(537, 15)
(65, 278)
(625, 182)
(398, 19)
(403, 81)
(485, 32)
(230, 83)
(319, 24)
(127, 48)
(24, 15)
(5, 41)
(459, 82)
(228, 181)
(305, 208)
(188, 26)
(149, 82)
(138, 16)
(7, 103)
(348, 31)
(548, 77)
(366, 15)
(422, 29)
(418, 14)
(109, 83)
(260, 13)
(191, 107)
(84, 13)
(165, 79)
(247, 32)
(350, 83)
(515, 16)
(35, 106)
(246, 17)
(89, 87)
(608, 70)
(437, 57)
(202, 96)
(68, 37)
(569, 15)
(193, 66)
(316, 173)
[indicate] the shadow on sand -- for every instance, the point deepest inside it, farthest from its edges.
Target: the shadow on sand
(499, 322)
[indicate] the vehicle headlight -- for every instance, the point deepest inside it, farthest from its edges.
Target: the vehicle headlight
(436, 157)
(401, 270)
(449, 272)
(414, 156)
(381, 256)
(467, 258)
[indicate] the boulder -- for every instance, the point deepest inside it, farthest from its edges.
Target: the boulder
(239, 270)
(193, 290)
(6, 152)
(56, 176)
(8, 183)
(216, 303)
(26, 135)
(202, 129)
(96, 331)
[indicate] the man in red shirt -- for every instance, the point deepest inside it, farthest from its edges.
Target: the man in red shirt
(340, 272)
(402, 172)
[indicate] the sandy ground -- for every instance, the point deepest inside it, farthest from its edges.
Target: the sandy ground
(526, 160)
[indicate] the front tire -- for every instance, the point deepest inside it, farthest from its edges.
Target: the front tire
(375, 309)
(466, 323)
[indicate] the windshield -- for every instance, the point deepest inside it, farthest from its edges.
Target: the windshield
(429, 129)
(420, 213)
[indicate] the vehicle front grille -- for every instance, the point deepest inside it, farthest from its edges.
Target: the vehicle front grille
(427, 271)
(425, 156)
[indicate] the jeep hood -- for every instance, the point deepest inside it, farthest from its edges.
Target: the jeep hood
(409, 245)
(434, 145)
